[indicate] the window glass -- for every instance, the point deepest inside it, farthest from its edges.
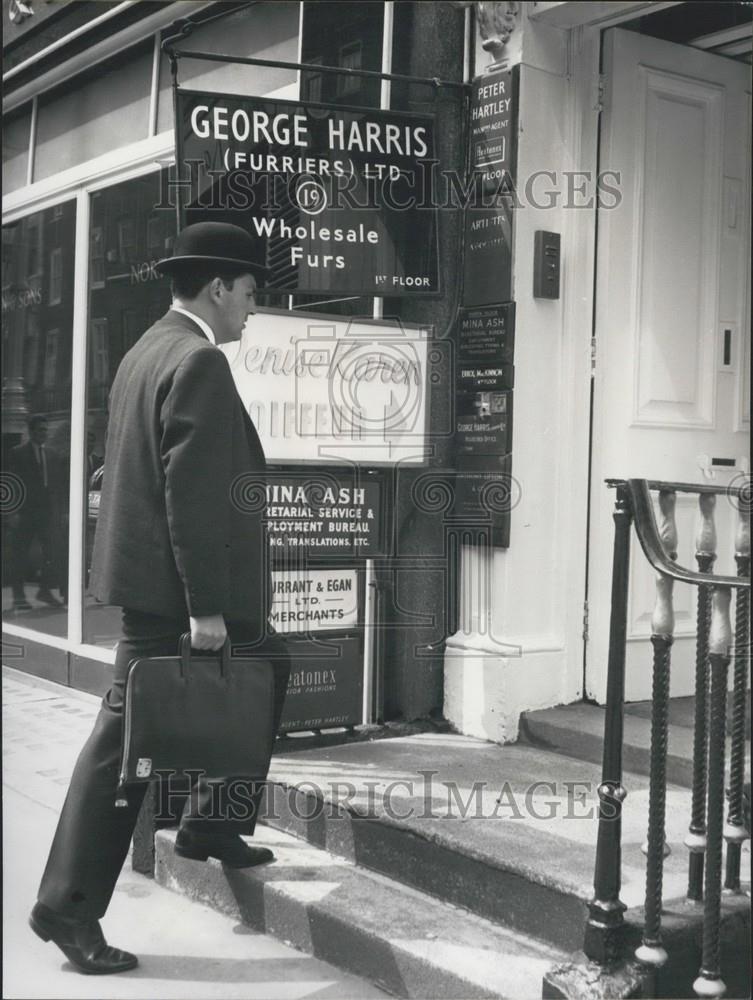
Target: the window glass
(16, 133)
(265, 30)
(94, 113)
(128, 235)
(347, 35)
(37, 304)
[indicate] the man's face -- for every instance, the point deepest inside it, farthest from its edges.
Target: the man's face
(236, 304)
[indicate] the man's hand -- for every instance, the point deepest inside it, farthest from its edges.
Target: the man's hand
(208, 632)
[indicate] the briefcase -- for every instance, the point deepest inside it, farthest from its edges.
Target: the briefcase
(197, 711)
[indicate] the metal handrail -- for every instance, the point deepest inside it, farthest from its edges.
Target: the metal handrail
(651, 543)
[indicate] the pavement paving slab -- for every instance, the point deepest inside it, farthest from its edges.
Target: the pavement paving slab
(186, 949)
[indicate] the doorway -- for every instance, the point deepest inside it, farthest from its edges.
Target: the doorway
(672, 318)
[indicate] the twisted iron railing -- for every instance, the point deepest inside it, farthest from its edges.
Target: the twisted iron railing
(714, 648)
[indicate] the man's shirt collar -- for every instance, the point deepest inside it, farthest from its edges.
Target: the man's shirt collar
(201, 323)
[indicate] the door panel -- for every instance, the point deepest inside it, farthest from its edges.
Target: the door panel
(671, 278)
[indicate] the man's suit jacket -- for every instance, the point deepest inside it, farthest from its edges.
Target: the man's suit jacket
(180, 526)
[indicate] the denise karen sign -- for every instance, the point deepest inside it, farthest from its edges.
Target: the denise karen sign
(339, 198)
(333, 390)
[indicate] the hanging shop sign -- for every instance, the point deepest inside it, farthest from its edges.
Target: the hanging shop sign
(339, 198)
(323, 514)
(314, 600)
(327, 389)
(489, 218)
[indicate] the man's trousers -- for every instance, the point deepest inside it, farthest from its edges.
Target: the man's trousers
(93, 834)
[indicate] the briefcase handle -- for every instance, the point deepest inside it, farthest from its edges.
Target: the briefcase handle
(185, 655)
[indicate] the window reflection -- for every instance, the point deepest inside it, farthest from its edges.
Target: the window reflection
(37, 306)
(128, 235)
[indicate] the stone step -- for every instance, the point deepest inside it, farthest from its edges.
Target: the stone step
(577, 731)
(519, 850)
(406, 942)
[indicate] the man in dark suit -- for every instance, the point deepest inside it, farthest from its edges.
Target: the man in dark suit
(39, 469)
(177, 551)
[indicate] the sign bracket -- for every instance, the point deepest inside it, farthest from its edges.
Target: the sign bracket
(186, 26)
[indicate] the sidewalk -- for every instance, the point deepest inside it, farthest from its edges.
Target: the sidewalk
(185, 949)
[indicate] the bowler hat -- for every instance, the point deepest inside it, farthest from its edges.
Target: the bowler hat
(217, 243)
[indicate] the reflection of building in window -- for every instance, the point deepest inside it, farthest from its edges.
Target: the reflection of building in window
(58, 212)
(153, 234)
(34, 246)
(97, 257)
(31, 351)
(131, 328)
(56, 276)
(313, 82)
(350, 58)
(127, 246)
(51, 351)
(154, 311)
(100, 356)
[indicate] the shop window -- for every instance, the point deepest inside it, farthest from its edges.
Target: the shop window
(348, 35)
(154, 235)
(36, 415)
(312, 89)
(264, 30)
(51, 353)
(97, 257)
(100, 360)
(131, 321)
(31, 351)
(349, 58)
(34, 248)
(56, 275)
(94, 113)
(127, 248)
(126, 295)
(16, 135)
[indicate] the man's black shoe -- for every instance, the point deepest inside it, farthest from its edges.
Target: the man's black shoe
(81, 941)
(229, 848)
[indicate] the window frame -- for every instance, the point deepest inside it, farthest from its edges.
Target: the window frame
(79, 183)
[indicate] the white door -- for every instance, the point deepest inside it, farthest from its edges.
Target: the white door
(671, 381)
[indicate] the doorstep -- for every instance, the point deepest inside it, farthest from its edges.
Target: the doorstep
(578, 731)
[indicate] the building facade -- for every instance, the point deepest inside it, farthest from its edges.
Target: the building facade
(632, 145)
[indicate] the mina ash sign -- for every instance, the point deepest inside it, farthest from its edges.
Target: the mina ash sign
(340, 198)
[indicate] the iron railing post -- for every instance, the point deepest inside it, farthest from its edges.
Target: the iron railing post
(651, 951)
(695, 840)
(605, 923)
(709, 982)
(735, 832)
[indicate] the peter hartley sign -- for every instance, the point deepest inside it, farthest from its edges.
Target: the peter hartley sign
(339, 198)
(488, 225)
